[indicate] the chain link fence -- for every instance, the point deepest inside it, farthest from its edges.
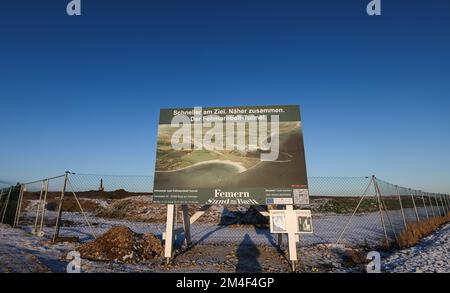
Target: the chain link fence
(355, 211)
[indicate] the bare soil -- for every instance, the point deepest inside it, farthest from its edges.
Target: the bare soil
(120, 244)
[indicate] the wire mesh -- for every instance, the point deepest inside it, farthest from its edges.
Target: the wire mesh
(356, 211)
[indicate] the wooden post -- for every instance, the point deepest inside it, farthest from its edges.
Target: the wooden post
(378, 192)
(19, 206)
(355, 210)
(446, 201)
(5, 207)
(431, 204)
(389, 219)
(168, 246)
(437, 204)
(60, 208)
(415, 207)
(38, 208)
(279, 240)
(44, 201)
(444, 208)
(81, 209)
(424, 205)
(292, 237)
(199, 213)
(438, 198)
(401, 206)
(186, 225)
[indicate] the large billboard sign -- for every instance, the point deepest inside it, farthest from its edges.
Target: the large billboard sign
(230, 155)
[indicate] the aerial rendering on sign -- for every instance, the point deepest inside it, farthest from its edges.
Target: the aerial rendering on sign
(228, 155)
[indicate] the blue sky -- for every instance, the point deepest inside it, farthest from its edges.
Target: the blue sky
(83, 93)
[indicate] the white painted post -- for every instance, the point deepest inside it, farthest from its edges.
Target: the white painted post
(168, 246)
(292, 237)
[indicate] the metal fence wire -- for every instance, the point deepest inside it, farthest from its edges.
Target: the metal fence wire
(355, 211)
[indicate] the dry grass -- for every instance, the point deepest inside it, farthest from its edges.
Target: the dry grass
(414, 232)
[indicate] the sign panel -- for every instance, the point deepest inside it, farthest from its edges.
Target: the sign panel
(304, 221)
(291, 221)
(230, 155)
(278, 221)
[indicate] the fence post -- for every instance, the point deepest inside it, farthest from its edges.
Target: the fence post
(38, 208)
(353, 214)
(440, 204)
(444, 206)
(438, 198)
(414, 204)
(443, 202)
(446, 201)
(389, 218)
(19, 206)
(431, 204)
(60, 208)
(424, 204)
(44, 201)
(378, 193)
(6, 204)
(401, 206)
(437, 204)
(81, 208)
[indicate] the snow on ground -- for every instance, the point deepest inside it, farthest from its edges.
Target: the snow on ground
(23, 252)
(431, 255)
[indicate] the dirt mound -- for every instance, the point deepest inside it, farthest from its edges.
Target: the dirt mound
(136, 208)
(71, 205)
(120, 244)
(93, 194)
